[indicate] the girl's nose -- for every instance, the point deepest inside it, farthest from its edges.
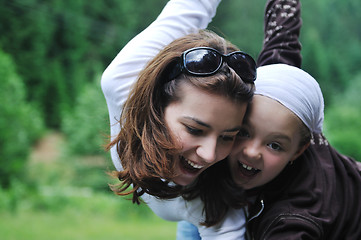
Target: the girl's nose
(251, 151)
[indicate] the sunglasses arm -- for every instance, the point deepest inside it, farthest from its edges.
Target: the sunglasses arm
(174, 70)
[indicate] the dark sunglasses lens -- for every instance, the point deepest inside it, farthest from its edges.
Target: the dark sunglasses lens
(243, 65)
(202, 61)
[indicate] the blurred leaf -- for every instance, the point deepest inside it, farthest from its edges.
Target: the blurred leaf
(342, 120)
(20, 123)
(87, 125)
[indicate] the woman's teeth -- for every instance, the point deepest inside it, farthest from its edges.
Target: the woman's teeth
(194, 164)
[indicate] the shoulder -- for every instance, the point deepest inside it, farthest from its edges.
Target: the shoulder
(290, 226)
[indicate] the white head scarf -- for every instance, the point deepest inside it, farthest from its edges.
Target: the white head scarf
(295, 89)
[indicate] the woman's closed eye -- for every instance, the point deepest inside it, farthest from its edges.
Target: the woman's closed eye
(193, 130)
(228, 138)
(198, 132)
(243, 133)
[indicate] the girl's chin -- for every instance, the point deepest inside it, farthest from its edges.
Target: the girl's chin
(243, 180)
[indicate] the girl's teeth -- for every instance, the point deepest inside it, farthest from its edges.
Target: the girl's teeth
(247, 167)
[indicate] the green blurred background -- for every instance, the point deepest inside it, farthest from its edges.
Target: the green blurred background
(54, 120)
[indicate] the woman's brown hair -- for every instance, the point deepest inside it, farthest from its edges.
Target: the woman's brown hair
(144, 144)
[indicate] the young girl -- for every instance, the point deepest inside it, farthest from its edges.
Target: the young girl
(297, 185)
(308, 189)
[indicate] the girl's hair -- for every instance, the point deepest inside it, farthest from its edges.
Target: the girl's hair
(144, 145)
(305, 133)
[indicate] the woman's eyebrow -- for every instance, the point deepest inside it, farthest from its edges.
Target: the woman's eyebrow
(235, 129)
(198, 122)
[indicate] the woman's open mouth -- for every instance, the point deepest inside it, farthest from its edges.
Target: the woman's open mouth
(189, 166)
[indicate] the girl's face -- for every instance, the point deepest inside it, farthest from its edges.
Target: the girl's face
(205, 125)
(268, 141)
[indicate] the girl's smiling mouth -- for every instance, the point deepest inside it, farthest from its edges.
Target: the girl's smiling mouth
(247, 171)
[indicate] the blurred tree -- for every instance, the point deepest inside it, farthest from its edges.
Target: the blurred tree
(20, 123)
(241, 22)
(342, 120)
(87, 127)
(58, 46)
(330, 38)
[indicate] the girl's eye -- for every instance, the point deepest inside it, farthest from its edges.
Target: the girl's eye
(193, 131)
(275, 146)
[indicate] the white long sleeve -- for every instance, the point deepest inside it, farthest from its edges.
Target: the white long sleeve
(178, 18)
(232, 227)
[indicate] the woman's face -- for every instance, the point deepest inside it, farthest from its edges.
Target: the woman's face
(268, 141)
(205, 125)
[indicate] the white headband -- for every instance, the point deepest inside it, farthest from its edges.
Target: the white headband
(295, 89)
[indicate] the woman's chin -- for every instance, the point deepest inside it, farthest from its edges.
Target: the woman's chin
(186, 174)
(184, 180)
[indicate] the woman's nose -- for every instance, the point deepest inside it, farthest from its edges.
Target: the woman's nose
(208, 150)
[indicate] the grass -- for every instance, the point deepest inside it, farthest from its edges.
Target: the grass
(76, 225)
(85, 215)
(66, 197)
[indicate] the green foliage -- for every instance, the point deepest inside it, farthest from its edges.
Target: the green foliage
(87, 126)
(20, 122)
(58, 46)
(241, 22)
(330, 37)
(342, 120)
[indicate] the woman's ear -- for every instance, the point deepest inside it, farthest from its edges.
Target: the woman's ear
(300, 151)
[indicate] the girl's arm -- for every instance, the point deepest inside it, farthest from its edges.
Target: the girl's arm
(282, 24)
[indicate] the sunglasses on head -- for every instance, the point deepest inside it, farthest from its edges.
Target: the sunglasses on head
(205, 61)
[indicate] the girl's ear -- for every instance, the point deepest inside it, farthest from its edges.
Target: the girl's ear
(300, 151)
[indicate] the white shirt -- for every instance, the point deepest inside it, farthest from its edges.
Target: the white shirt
(178, 18)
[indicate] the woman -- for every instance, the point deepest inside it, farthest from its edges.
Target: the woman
(174, 125)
